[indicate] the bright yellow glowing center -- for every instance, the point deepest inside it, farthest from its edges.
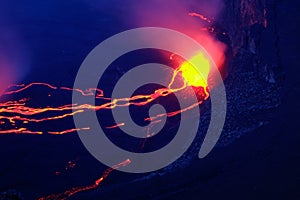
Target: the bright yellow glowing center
(195, 71)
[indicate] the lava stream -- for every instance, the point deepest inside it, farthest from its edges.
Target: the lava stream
(72, 191)
(18, 111)
(14, 112)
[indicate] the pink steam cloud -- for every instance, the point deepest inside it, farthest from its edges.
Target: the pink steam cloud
(174, 14)
(13, 56)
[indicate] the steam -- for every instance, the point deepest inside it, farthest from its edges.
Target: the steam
(13, 59)
(174, 14)
(6, 74)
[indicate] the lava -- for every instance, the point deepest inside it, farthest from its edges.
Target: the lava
(18, 111)
(15, 111)
(191, 74)
(69, 131)
(72, 191)
(202, 17)
(115, 126)
(20, 131)
(89, 92)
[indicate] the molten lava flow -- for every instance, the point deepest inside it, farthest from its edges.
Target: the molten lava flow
(16, 113)
(196, 75)
(69, 131)
(194, 72)
(71, 192)
(89, 92)
(21, 131)
(202, 17)
(115, 126)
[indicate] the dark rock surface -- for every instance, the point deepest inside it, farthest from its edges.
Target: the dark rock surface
(10, 195)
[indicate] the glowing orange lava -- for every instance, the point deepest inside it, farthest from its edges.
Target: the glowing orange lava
(195, 71)
(17, 113)
(71, 192)
(202, 17)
